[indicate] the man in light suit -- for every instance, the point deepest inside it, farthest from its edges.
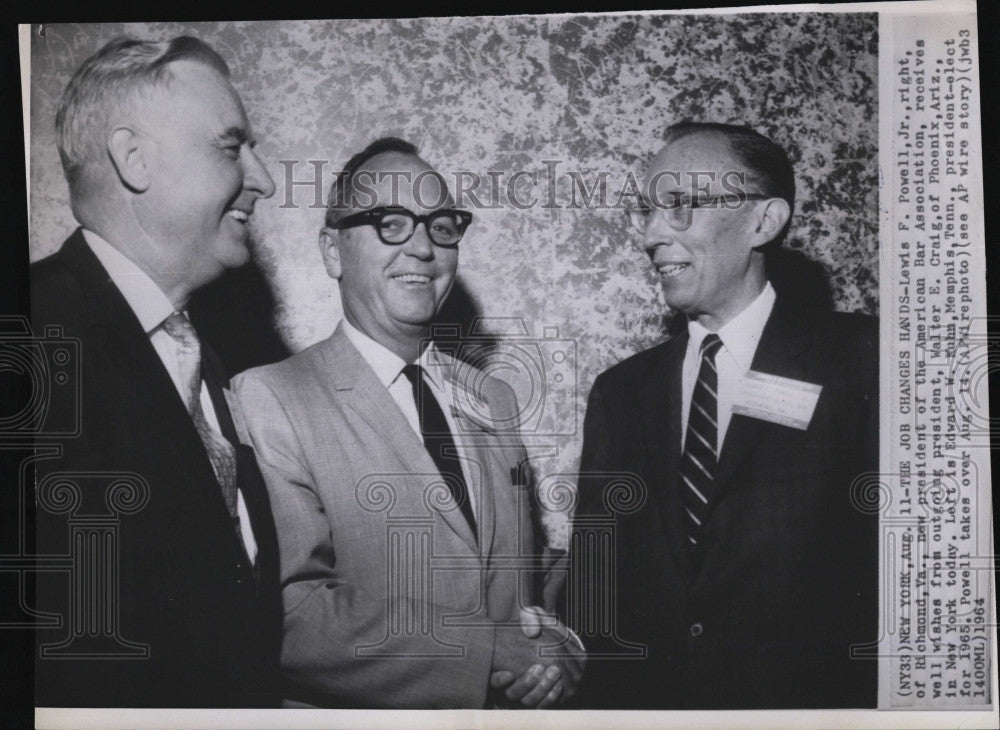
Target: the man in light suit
(402, 498)
(747, 569)
(158, 153)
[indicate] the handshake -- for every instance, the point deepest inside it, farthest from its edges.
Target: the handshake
(525, 676)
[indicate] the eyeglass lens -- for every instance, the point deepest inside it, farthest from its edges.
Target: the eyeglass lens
(444, 229)
(678, 216)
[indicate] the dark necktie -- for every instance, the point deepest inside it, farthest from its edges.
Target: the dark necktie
(220, 452)
(700, 456)
(438, 440)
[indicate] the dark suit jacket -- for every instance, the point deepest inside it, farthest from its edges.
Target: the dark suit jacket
(788, 578)
(186, 589)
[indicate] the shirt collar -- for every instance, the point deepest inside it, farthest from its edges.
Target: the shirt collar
(741, 334)
(144, 297)
(387, 364)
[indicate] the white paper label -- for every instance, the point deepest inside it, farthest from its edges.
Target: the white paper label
(776, 399)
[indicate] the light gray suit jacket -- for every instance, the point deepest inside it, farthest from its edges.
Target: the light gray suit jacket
(389, 599)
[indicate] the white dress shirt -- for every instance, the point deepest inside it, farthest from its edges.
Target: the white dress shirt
(388, 367)
(740, 337)
(151, 306)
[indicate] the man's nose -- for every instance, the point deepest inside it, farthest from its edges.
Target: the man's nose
(255, 175)
(658, 233)
(420, 243)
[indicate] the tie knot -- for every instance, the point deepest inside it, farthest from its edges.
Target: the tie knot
(414, 373)
(710, 346)
(180, 328)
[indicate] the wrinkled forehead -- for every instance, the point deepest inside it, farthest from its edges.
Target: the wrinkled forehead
(697, 161)
(392, 178)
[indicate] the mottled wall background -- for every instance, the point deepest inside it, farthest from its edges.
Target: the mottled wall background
(504, 94)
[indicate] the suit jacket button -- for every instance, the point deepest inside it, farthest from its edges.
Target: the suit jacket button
(697, 629)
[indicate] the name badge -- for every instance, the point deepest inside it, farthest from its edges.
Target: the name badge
(778, 400)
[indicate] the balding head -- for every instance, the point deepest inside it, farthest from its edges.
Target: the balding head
(112, 83)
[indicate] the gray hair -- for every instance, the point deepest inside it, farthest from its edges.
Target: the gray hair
(111, 79)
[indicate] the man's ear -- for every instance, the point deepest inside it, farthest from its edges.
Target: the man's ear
(129, 158)
(770, 220)
(329, 241)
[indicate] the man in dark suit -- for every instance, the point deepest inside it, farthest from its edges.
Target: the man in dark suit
(184, 609)
(745, 553)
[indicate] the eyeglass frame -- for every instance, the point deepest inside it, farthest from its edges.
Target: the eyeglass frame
(707, 201)
(374, 216)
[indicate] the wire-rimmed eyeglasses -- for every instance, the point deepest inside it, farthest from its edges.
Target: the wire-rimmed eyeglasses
(678, 207)
(395, 224)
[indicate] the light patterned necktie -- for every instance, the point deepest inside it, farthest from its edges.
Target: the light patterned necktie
(700, 444)
(220, 452)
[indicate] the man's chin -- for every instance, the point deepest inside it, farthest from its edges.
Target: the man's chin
(675, 300)
(414, 323)
(415, 311)
(237, 254)
(410, 324)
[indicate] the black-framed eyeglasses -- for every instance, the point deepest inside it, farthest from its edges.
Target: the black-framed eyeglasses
(395, 224)
(678, 207)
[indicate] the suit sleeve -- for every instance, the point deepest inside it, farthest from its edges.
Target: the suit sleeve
(596, 454)
(595, 460)
(327, 621)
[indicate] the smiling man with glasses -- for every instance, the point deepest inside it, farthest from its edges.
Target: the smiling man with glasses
(395, 225)
(382, 452)
(749, 572)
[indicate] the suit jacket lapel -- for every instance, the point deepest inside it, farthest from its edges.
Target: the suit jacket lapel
(355, 381)
(480, 442)
(215, 379)
(660, 429)
(248, 476)
(784, 338)
(126, 348)
(670, 420)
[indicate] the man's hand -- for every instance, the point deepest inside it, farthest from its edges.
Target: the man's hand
(548, 680)
(571, 657)
(533, 619)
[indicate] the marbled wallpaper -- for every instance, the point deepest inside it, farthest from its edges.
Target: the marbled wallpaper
(584, 94)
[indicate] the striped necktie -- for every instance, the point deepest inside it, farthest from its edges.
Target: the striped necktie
(700, 456)
(220, 452)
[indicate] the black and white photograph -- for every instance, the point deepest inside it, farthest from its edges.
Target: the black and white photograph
(538, 365)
